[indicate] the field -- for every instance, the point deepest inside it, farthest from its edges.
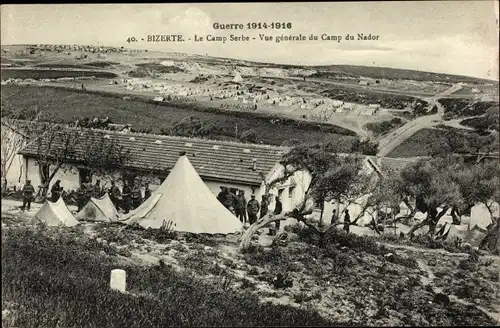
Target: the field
(466, 107)
(70, 103)
(61, 278)
(50, 74)
(418, 144)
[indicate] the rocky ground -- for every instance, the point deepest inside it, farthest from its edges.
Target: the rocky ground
(353, 280)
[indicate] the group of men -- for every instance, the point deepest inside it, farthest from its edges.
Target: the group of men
(248, 211)
(127, 199)
(28, 193)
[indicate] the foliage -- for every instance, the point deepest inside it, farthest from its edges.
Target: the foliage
(249, 136)
(467, 107)
(384, 127)
(60, 283)
(365, 147)
(38, 74)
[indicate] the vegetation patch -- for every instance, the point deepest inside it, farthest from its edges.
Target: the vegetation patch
(38, 74)
(384, 127)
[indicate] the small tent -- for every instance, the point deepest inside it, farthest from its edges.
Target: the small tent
(237, 77)
(491, 241)
(473, 236)
(54, 215)
(98, 210)
(185, 200)
(480, 216)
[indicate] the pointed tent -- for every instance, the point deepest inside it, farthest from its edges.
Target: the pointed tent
(481, 217)
(54, 215)
(184, 199)
(98, 210)
(237, 77)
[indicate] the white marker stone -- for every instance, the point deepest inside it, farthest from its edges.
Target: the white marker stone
(118, 280)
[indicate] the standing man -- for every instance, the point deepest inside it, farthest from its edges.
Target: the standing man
(147, 191)
(253, 209)
(81, 195)
(334, 217)
(114, 194)
(347, 220)
(264, 206)
(126, 194)
(27, 192)
(240, 206)
(89, 190)
(278, 208)
(136, 196)
(222, 195)
(96, 189)
(56, 191)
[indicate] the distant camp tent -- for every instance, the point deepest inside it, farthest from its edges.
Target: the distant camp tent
(491, 241)
(98, 210)
(54, 215)
(237, 77)
(185, 200)
(480, 216)
(473, 236)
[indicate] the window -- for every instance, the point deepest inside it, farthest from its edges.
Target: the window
(291, 191)
(85, 175)
(280, 192)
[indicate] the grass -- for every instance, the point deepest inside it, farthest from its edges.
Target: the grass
(142, 114)
(466, 107)
(50, 281)
(50, 74)
(418, 144)
(384, 127)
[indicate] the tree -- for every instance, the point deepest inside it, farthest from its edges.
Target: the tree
(332, 176)
(12, 142)
(365, 147)
(430, 183)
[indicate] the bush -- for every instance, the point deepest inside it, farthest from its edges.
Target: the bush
(58, 283)
(249, 136)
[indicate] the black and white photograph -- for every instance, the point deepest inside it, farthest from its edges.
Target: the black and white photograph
(274, 164)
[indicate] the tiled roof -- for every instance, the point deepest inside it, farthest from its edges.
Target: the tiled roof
(212, 159)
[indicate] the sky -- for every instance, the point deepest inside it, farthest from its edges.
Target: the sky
(455, 37)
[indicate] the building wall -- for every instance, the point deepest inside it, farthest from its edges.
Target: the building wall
(15, 173)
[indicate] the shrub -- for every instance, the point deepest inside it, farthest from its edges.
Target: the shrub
(57, 283)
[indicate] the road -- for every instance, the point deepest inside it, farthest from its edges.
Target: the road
(390, 141)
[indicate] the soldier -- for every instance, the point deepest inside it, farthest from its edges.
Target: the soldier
(96, 189)
(81, 195)
(56, 191)
(126, 193)
(27, 192)
(253, 209)
(334, 217)
(278, 208)
(114, 194)
(136, 196)
(222, 195)
(347, 220)
(240, 206)
(147, 191)
(264, 206)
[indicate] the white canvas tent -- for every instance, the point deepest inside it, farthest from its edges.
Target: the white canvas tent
(237, 77)
(185, 200)
(481, 217)
(98, 210)
(54, 215)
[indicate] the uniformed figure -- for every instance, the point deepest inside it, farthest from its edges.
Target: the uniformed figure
(278, 208)
(114, 194)
(126, 196)
(334, 217)
(347, 220)
(27, 192)
(240, 206)
(222, 195)
(147, 191)
(96, 189)
(56, 191)
(89, 191)
(80, 196)
(136, 196)
(264, 206)
(253, 208)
